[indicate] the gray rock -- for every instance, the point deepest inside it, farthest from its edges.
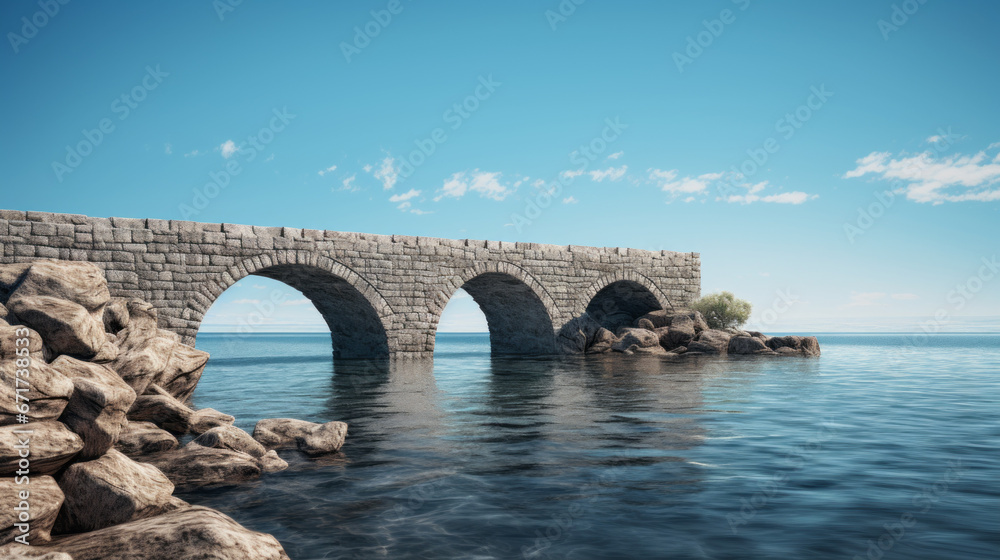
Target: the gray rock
(193, 466)
(182, 371)
(190, 533)
(205, 419)
(651, 350)
(795, 345)
(141, 438)
(710, 341)
(52, 446)
(658, 318)
(111, 490)
(162, 410)
(644, 323)
(116, 315)
(271, 462)
(231, 437)
(746, 345)
(43, 500)
(98, 406)
(604, 340)
(681, 333)
(640, 337)
(21, 552)
(10, 277)
(81, 283)
(4, 315)
(578, 334)
(309, 437)
(66, 327)
(50, 390)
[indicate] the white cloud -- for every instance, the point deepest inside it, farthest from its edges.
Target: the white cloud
(303, 301)
(794, 197)
(668, 181)
(228, 148)
(404, 196)
(611, 173)
(570, 200)
(259, 287)
(349, 183)
(386, 172)
(934, 139)
(573, 174)
(419, 212)
(486, 183)
(246, 302)
(865, 299)
(330, 169)
(616, 155)
(993, 145)
(905, 296)
(925, 178)
(168, 149)
(192, 153)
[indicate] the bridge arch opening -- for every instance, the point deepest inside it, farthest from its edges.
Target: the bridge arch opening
(620, 303)
(356, 327)
(518, 320)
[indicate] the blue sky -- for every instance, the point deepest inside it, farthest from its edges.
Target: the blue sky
(841, 155)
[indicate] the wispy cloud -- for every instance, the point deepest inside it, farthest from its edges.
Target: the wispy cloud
(486, 183)
(404, 196)
(193, 153)
(611, 173)
(616, 155)
(570, 200)
(348, 183)
(246, 301)
(386, 172)
(293, 302)
(168, 149)
(926, 178)
(865, 299)
(330, 169)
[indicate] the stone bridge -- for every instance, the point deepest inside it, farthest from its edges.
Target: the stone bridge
(380, 295)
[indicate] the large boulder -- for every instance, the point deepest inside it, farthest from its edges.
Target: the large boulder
(21, 552)
(4, 316)
(52, 445)
(578, 334)
(634, 336)
(161, 409)
(10, 277)
(182, 371)
(204, 419)
(710, 341)
(270, 462)
(233, 438)
(309, 437)
(115, 315)
(49, 390)
(190, 533)
(795, 345)
(747, 345)
(658, 318)
(680, 333)
(141, 438)
(97, 409)
(193, 466)
(40, 500)
(111, 490)
(82, 283)
(604, 340)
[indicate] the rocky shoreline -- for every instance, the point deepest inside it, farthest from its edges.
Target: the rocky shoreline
(93, 399)
(677, 334)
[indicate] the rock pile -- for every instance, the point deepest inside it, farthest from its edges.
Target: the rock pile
(93, 398)
(683, 333)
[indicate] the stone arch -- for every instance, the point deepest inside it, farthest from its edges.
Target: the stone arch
(519, 311)
(359, 318)
(618, 298)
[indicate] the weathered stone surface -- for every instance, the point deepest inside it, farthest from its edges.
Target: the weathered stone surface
(231, 437)
(116, 315)
(746, 345)
(640, 337)
(20, 552)
(795, 345)
(182, 371)
(111, 490)
(680, 333)
(188, 533)
(309, 437)
(81, 283)
(658, 318)
(142, 356)
(578, 334)
(141, 438)
(52, 446)
(4, 315)
(162, 410)
(604, 340)
(204, 419)
(193, 466)
(10, 276)
(49, 389)
(651, 350)
(44, 498)
(97, 408)
(644, 323)
(66, 327)
(710, 341)
(270, 462)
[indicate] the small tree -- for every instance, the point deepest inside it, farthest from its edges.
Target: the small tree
(723, 310)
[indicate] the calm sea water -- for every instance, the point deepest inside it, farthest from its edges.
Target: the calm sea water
(877, 449)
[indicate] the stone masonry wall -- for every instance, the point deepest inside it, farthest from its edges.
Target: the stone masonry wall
(181, 268)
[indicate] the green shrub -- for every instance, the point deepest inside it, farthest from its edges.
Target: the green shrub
(723, 310)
